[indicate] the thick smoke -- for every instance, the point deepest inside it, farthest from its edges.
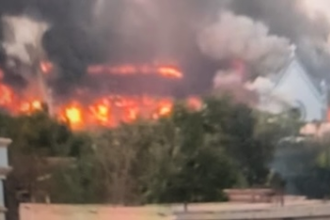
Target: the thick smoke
(84, 32)
(230, 82)
(292, 19)
(285, 18)
(23, 43)
(239, 37)
(23, 38)
(269, 101)
(61, 15)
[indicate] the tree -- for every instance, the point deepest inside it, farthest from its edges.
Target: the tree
(77, 180)
(218, 147)
(314, 176)
(234, 127)
(122, 159)
(169, 160)
(187, 156)
(36, 137)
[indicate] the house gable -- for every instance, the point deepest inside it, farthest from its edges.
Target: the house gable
(295, 67)
(295, 84)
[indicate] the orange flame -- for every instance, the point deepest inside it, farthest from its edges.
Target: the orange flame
(128, 69)
(165, 108)
(46, 67)
(106, 111)
(170, 72)
(30, 107)
(101, 112)
(6, 95)
(112, 110)
(73, 114)
(194, 103)
(10, 101)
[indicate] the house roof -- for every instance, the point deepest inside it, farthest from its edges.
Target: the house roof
(314, 84)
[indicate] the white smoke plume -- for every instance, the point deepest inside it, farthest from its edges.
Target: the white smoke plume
(225, 78)
(316, 8)
(23, 38)
(261, 85)
(23, 41)
(231, 83)
(269, 101)
(239, 37)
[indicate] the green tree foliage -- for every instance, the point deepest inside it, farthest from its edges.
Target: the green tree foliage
(36, 133)
(234, 126)
(304, 163)
(314, 178)
(35, 138)
(202, 169)
(188, 156)
(273, 128)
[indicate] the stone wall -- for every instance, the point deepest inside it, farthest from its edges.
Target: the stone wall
(217, 211)
(92, 212)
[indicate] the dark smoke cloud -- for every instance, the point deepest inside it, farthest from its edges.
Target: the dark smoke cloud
(84, 32)
(68, 42)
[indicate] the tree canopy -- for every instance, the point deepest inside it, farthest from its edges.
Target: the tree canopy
(187, 156)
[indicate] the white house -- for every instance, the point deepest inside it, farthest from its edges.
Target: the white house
(295, 88)
(4, 170)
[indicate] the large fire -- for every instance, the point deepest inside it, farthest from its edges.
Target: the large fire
(112, 110)
(109, 110)
(168, 71)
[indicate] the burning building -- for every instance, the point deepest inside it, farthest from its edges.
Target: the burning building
(104, 62)
(110, 107)
(108, 95)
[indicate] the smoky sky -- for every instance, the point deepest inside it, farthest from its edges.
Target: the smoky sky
(84, 32)
(283, 18)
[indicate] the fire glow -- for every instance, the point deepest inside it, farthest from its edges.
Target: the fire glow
(167, 71)
(114, 109)
(46, 67)
(108, 110)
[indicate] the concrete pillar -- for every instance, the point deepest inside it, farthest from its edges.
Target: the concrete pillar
(4, 170)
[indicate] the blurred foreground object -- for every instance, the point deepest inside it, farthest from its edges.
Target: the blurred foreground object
(4, 170)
